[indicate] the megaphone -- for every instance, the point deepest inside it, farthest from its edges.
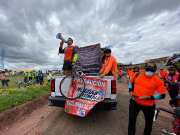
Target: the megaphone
(59, 36)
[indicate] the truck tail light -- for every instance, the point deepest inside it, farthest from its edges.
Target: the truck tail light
(52, 85)
(113, 87)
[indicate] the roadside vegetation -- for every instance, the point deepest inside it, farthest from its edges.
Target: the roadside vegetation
(14, 96)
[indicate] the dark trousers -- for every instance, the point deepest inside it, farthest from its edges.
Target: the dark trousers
(134, 110)
(173, 93)
(4, 83)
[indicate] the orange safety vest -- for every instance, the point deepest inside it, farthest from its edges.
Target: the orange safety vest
(147, 86)
(68, 53)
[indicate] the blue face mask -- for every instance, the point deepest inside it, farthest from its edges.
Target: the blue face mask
(149, 73)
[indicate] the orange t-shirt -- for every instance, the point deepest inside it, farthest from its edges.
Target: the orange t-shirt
(148, 86)
(130, 74)
(110, 65)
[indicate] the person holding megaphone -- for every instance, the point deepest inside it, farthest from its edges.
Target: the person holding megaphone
(70, 53)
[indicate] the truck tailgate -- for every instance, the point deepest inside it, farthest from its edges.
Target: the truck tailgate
(58, 80)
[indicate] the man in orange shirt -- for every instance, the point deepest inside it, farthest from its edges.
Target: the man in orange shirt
(109, 66)
(148, 87)
(69, 52)
(130, 73)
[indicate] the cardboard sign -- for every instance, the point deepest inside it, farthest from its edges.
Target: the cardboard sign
(90, 58)
(94, 92)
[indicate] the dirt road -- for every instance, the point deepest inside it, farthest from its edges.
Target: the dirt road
(53, 121)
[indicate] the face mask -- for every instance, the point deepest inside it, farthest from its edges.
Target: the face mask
(149, 73)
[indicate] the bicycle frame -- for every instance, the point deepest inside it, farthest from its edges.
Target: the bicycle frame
(76, 72)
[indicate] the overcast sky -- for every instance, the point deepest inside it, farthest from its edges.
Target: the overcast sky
(136, 29)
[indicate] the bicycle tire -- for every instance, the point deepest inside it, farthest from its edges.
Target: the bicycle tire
(63, 81)
(20, 85)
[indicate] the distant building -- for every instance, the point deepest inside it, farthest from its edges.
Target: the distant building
(160, 62)
(157, 60)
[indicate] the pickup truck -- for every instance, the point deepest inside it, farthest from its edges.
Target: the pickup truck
(90, 61)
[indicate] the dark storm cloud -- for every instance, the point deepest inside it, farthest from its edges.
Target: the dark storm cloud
(142, 8)
(125, 12)
(134, 28)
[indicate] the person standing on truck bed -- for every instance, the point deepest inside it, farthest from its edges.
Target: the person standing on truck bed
(69, 55)
(148, 87)
(109, 65)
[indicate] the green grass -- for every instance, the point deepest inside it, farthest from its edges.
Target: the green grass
(13, 97)
(14, 79)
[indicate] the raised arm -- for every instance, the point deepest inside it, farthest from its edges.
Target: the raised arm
(61, 50)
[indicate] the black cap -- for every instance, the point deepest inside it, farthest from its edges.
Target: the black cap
(70, 39)
(107, 50)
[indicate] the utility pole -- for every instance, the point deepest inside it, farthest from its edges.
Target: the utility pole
(2, 54)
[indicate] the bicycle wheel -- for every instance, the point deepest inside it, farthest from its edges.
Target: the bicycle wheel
(20, 84)
(72, 87)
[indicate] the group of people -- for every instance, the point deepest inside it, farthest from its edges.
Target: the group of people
(4, 78)
(38, 77)
(109, 63)
(145, 85)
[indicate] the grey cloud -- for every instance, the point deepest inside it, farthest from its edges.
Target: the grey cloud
(129, 12)
(143, 8)
(10, 38)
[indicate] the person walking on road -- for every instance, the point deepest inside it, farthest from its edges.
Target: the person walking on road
(172, 83)
(148, 87)
(40, 77)
(136, 71)
(162, 74)
(130, 73)
(120, 73)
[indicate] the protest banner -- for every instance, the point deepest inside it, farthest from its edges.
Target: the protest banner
(93, 93)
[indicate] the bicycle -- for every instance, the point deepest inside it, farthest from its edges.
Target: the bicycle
(72, 86)
(25, 84)
(175, 124)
